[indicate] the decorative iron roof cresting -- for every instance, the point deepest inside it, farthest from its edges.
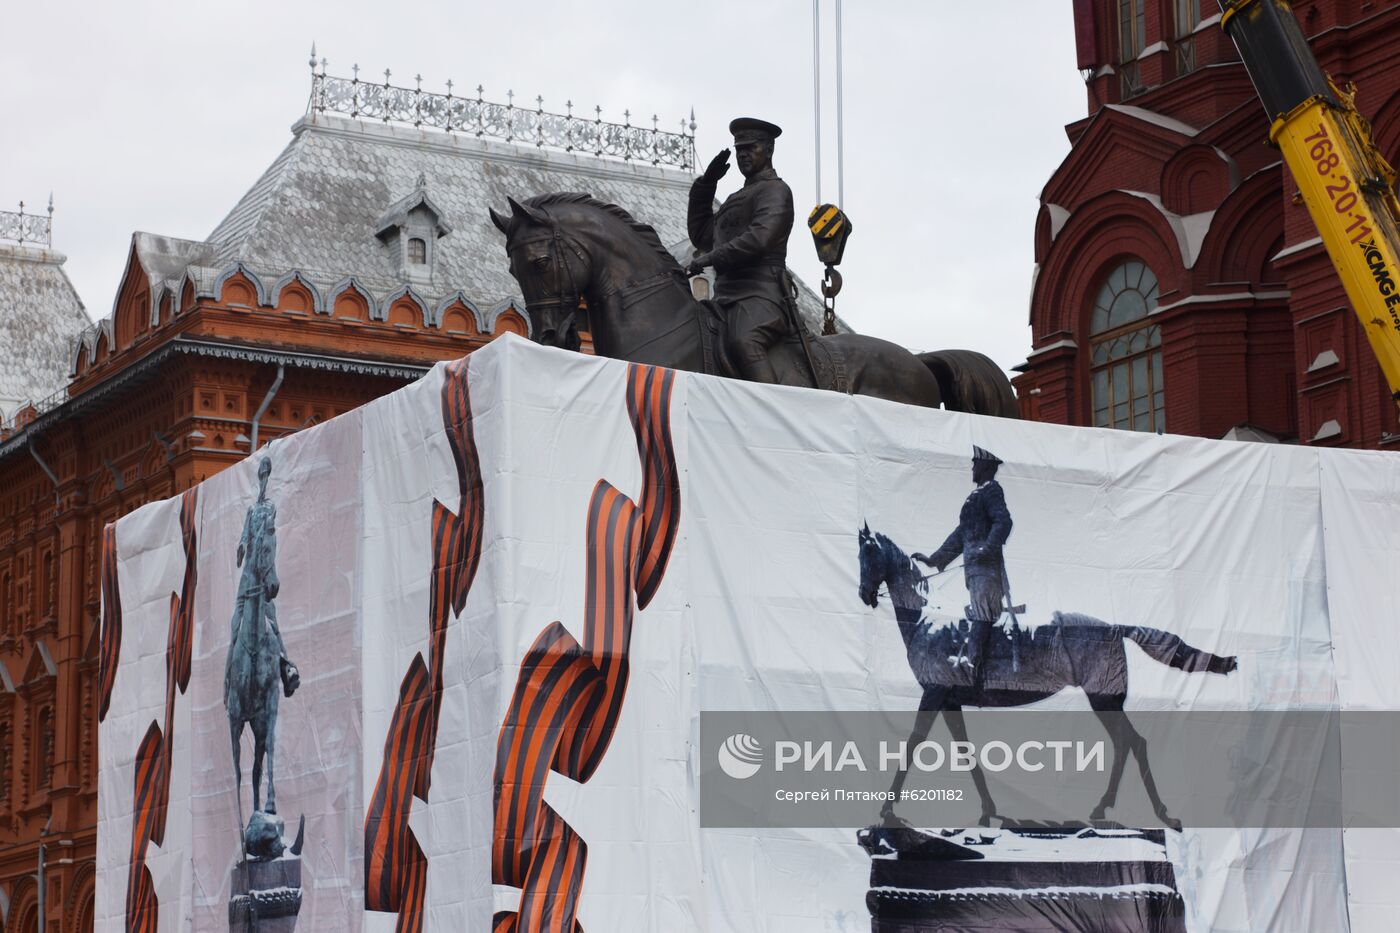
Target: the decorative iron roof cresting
(27, 228)
(476, 116)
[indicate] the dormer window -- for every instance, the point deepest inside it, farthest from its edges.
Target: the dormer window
(409, 230)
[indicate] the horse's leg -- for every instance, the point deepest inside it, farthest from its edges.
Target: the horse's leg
(259, 747)
(269, 718)
(958, 727)
(1110, 708)
(1138, 744)
(236, 731)
(933, 700)
(271, 756)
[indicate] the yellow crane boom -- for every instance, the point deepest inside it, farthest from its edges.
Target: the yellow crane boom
(1347, 186)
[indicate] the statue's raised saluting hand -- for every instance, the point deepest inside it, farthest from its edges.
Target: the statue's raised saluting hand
(718, 168)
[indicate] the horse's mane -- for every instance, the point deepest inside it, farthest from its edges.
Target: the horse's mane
(910, 570)
(645, 231)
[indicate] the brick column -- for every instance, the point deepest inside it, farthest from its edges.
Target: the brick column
(1203, 370)
(1052, 371)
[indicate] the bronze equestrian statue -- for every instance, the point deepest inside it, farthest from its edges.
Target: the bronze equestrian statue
(257, 662)
(574, 255)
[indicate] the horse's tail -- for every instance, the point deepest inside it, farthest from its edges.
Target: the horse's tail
(1166, 648)
(969, 381)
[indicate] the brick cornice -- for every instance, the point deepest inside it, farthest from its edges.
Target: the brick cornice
(149, 367)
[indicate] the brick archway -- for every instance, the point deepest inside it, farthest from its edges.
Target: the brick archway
(1245, 231)
(1092, 240)
(1107, 228)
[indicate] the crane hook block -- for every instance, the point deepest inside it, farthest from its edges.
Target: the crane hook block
(830, 229)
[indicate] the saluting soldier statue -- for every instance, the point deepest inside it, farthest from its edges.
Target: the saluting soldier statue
(259, 583)
(984, 524)
(746, 243)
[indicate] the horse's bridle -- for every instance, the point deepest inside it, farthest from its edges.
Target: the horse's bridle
(570, 296)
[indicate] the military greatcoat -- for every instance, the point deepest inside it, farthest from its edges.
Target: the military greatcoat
(983, 527)
(746, 239)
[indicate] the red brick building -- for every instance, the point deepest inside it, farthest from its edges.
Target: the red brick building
(1180, 285)
(363, 255)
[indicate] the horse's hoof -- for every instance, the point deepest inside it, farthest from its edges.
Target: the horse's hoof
(1169, 821)
(1099, 813)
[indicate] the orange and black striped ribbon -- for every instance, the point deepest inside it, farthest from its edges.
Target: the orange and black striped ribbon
(111, 645)
(649, 409)
(153, 756)
(395, 867)
(568, 697)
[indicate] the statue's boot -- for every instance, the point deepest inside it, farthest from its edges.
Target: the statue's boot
(291, 677)
(755, 366)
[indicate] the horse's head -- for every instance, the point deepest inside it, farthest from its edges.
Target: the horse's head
(551, 269)
(874, 568)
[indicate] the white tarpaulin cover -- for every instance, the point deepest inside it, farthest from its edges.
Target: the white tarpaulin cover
(510, 589)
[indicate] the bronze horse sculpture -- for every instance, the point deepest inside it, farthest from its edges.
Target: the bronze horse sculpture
(569, 252)
(1074, 650)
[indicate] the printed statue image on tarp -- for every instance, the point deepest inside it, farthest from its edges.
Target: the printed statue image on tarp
(987, 659)
(545, 642)
(267, 879)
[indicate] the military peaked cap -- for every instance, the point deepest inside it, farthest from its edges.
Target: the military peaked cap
(980, 453)
(751, 130)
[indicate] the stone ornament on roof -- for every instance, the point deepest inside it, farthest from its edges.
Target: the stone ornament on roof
(476, 116)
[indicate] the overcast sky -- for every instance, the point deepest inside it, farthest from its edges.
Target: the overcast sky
(156, 115)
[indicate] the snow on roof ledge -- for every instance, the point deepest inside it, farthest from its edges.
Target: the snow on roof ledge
(1156, 119)
(1190, 229)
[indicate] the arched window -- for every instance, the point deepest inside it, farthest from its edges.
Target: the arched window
(88, 912)
(417, 252)
(1125, 351)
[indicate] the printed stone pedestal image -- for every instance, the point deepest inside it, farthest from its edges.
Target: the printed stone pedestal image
(1029, 880)
(266, 895)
